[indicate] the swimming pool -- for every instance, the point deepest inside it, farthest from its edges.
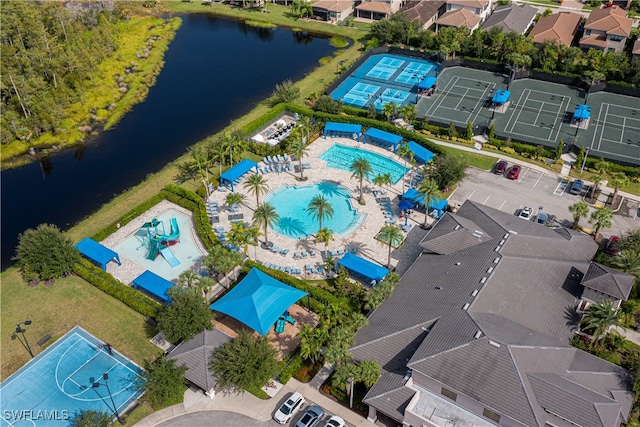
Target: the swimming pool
(291, 203)
(135, 246)
(341, 157)
(53, 387)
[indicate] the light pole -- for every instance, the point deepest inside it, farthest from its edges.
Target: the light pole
(20, 330)
(97, 384)
(350, 381)
(584, 161)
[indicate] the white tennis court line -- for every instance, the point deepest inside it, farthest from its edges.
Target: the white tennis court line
(540, 111)
(434, 107)
(449, 89)
(520, 104)
(606, 113)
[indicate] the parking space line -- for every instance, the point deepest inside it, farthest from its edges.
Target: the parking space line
(486, 200)
(523, 175)
(500, 208)
(534, 185)
(472, 193)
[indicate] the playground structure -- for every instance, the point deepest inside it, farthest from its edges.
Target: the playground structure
(158, 242)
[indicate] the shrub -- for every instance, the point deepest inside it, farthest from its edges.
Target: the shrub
(327, 104)
(109, 285)
(294, 365)
(508, 150)
(45, 253)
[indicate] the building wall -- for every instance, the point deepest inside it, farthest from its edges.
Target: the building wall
(615, 45)
(482, 13)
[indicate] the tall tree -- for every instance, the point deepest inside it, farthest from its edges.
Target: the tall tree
(90, 418)
(617, 180)
(628, 260)
(299, 149)
(368, 372)
(197, 167)
(578, 210)
(601, 218)
(162, 381)
(428, 189)
(598, 318)
(320, 208)
(311, 341)
(449, 170)
(406, 153)
(390, 109)
(391, 236)
(245, 363)
(360, 169)
(266, 216)
(256, 184)
(186, 316)
(234, 199)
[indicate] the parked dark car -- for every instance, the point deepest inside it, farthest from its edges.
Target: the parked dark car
(500, 168)
(612, 247)
(576, 186)
(514, 172)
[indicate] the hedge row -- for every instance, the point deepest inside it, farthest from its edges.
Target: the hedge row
(109, 285)
(321, 296)
(294, 365)
(128, 217)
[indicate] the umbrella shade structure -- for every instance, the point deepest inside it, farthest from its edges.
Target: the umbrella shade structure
(258, 301)
(97, 252)
(236, 172)
(420, 152)
(501, 97)
(362, 267)
(582, 112)
(405, 205)
(427, 83)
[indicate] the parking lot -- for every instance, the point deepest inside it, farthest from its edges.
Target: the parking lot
(539, 190)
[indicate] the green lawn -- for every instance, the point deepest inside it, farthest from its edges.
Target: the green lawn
(69, 302)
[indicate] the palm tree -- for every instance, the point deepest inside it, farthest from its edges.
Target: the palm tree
(197, 167)
(342, 374)
(390, 109)
(382, 179)
(356, 320)
(312, 340)
(205, 284)
(238, 235)
(628, 261)
(373, 299)
(305, 126)
(325, 235)
(231, 141)
(368, 372)
(405, 152)
(337, 350)
(599, 317)
(391, 236)
(188, 278)
(617, 180)
(266, 216)
(320, 207)
(360, 168)
(601, 218)
(234, 199)
(299, 149)
(408, 111)
(579, 210)
(329, 264)
(257, 185)
(428, 189)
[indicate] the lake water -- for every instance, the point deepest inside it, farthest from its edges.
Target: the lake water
(215, 71)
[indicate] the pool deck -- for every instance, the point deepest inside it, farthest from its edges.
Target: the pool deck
(363, 238)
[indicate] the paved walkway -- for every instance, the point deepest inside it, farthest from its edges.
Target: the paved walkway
(628, 334)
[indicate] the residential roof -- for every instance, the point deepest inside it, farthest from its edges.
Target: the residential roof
(460, 315)
(636, 48)
(333, 5)
(517, 18)
(459, 18)
(608, 281)
(422, 11)
(374, 6)
(559, 27)
(469, 3)
(612, 20)
(195, 354)
(594, 40)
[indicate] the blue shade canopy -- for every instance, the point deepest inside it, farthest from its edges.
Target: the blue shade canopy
(342, 129)
(420, 152)
(427, 83)
(96, 252)
(583, 112)
(374, 135)
(363, 267)
(258, 301)
(418, 198)
(405, 205)
(237, 171)
(154, 285)
(501, 96)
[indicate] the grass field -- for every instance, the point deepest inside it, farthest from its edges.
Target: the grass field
(55, 310)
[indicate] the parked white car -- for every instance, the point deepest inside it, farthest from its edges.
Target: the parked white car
(334, 421)
(289, 408)
(526, 213)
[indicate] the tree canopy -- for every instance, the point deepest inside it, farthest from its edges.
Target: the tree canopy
(162, 381)
(187, 315)
(45, 253)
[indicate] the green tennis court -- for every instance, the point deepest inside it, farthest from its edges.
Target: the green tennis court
(537, 112)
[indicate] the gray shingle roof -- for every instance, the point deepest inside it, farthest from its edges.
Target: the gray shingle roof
(608, 280)
(505, 289)
(462, 234)
(195, 354)
(516, 18)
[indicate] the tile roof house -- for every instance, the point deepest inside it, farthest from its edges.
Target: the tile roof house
(516, 18)
(606, 29)
(478, 330)
(560, 28)
(377, 9)
(423, 12)
(465, 13)
(332, 10)
(195, 354)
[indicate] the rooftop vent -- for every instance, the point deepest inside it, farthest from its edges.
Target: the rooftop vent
(497, 248)
(484, 279)
(438, 287)
(495, 261)
(474, 293)
(457, 227)
(512, 232)
(501, 242)
(407, 375)
(458, 263)
(477, 234)
(464, 307)
(489, 270)
(493, 343)
(506, 236)
(478, 334)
